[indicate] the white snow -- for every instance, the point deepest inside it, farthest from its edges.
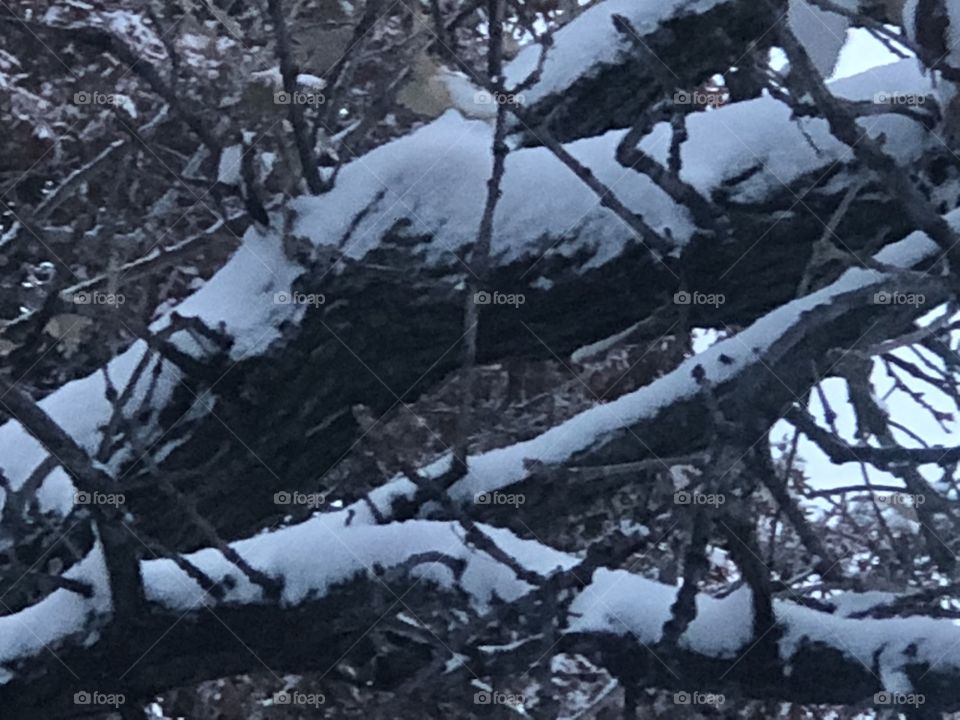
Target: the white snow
(32, 630)
(311, 81)
(311, 557)
(501, 467)
(851, 603)
(822, 33)
(229, 168)
(761, 132)
(271, 76)
(620, 602)
(825, 474)
(896, 642)
(498, 468)
(321, 552)
(437, 177)
(591, 41)
(318, 554)
(126, 102)
(467, 97)
(241, 298)
(131, 28)
(585, 352)
(80, 407)
(238, 299)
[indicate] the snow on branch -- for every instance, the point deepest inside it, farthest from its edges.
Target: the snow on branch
(755, 349)
(590, 42)
(319, 560)
(823, 657)
(592, 79)
(433, 181)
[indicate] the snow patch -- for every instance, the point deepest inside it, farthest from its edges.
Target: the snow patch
(591, 41)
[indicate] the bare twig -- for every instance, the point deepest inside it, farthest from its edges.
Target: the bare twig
(289, 73)
(122, 563)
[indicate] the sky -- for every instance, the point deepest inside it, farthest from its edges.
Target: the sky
(861, 53)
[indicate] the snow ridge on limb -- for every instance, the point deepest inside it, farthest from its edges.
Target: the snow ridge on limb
(592, 81)
(857, 657)
(590, 41)
(823, 657)
(350, 544)
(291, 556)
(429, 182)
(756, 348)
(241, 300)
(689, 40)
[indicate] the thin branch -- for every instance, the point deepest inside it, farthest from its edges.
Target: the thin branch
(867, 151)
(289, 73)
(122, 563)
(695, 568)
(480, 256)
(883, 458)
